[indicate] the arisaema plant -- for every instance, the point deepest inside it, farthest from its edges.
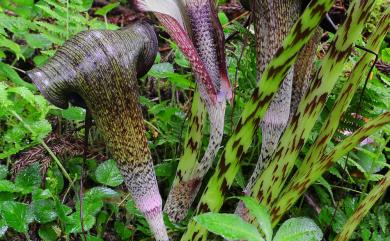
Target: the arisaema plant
(194, 26)
(91, 70)
(269, 185)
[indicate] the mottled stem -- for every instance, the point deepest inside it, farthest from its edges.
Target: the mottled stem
(363, 208)
(207, 57)
(269, 185)
(303, 70)
(99, 69)
(239, 143)
(181, 194)
(272, 19)
(311, 167)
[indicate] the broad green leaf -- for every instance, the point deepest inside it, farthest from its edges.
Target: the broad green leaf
(29, 178)
(73, 225)
(261, 214)
(180, 59)
(47, 232)
(229, 226)
(17, 215)
(108, 174)
(161, 70)
(74, 114)
(132, 209)
(93, 238)
(122, 230)
(24, 2)
(40, 194)
(93, 199)
(87, 4)
(302, 229)
(3, 171)
(7, 186)
(91, 205)
(41, 128)
(165, 169)
(386, 55)
(44, 211)
(38, 41)
(104, 10)
(62, 210)
(181, 81)
(40, 60)
(101, 193)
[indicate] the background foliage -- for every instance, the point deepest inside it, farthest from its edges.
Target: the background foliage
(40, 197)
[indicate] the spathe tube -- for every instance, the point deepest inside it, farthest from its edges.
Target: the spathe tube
(99, 68)
(194, 26)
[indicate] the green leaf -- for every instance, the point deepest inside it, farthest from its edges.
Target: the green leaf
(302, 229)
(74, 114)
(93, 199)
(47, 232)
(3, 171)
(54, 180)
(12, 75)
(386, 55)
(104, 10)
(17, 215)
(161, 70)
(101, 193)
(122, 230)
(108, 174)
(38, 41)
(181, 81)
(180, 59)
(87, 4)
(40, 60)
(41, 129)
(24, 2)
(229, 226)
(223, 18)
(165, 169)
(93, 238)
(62, 210)
(132, 209)
(40, 194)
(3, 227)
(262, 216)
(44, 211)
(7, 186)
(73, 225)
(12, 46)
(23, 92)
(29, 178)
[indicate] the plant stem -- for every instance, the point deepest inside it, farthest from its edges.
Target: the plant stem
(239, 143)
(268, 187)
(311, 165)
(363, 208)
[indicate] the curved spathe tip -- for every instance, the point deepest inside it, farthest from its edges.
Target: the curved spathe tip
(43, 80)
(80, 58)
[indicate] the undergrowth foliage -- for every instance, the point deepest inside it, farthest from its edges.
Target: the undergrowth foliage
(43, 200)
